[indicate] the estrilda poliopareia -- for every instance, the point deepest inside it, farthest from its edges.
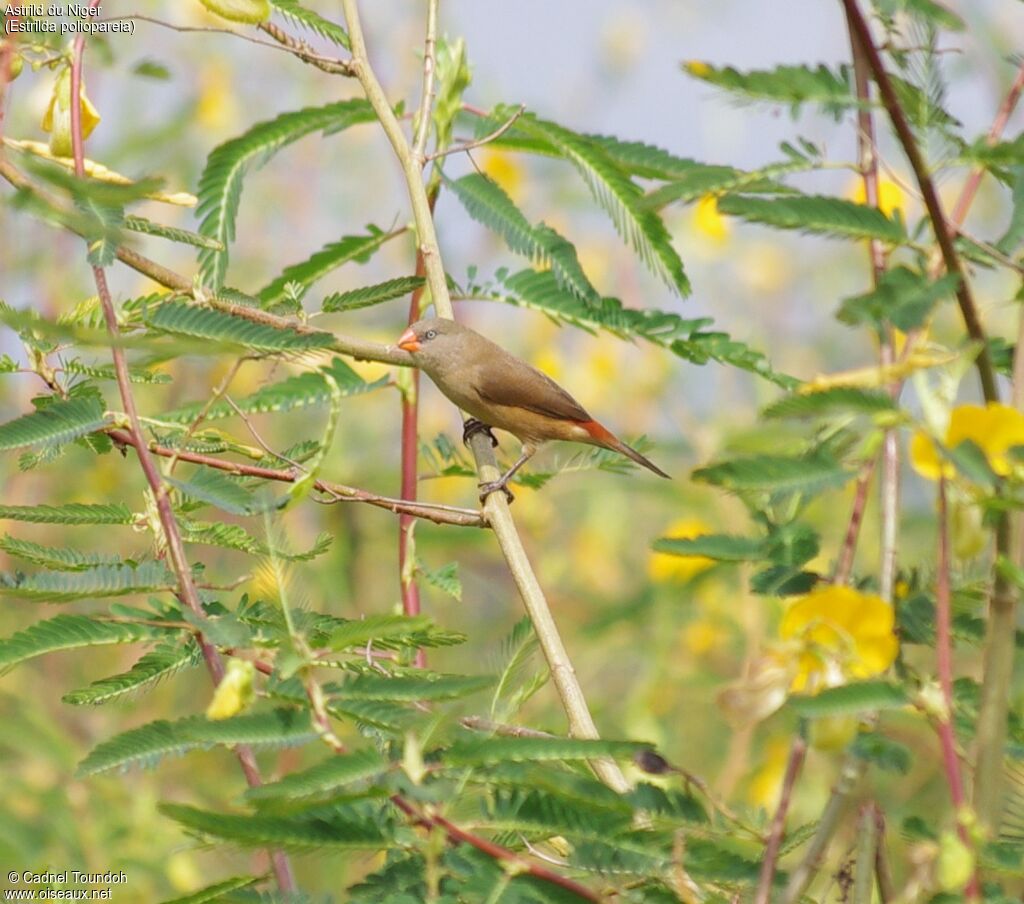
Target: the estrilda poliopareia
(498, 390)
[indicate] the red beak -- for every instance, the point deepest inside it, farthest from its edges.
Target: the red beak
(408, 341)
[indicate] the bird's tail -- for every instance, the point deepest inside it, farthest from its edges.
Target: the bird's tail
(602, 436)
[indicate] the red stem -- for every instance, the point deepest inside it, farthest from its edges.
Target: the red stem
(944, 665)
(849, 548)
(176, 549)
(519, 863)
(771, 852)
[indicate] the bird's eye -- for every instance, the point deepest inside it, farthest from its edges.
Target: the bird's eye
(430, 334)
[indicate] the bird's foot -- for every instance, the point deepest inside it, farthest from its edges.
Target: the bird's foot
(474, 426)
(490, 486)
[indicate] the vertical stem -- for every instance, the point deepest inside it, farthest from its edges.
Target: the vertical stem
(175, 547)
(848, 550)
(778, 830)
(883, 873)
(496, 507)
(867, 844)
(944, 666)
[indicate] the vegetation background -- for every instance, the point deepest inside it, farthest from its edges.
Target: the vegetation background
(655, 638)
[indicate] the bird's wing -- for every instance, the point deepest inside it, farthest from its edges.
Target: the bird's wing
(515, 384)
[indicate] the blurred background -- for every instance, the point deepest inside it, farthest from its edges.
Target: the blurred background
(654, 638)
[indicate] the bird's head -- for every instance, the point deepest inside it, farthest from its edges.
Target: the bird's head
(431, 341)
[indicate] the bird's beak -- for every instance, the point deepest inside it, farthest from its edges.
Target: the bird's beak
(408, 341)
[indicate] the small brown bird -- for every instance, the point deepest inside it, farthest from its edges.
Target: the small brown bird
(498, 390)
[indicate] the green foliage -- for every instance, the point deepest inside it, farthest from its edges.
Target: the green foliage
(793, 85)
(863, 696)
(98, 581)
(720, 547)
(57, 423)
(358, 248)
(515, 750)
(487, 203)
(220, 186)
(69, 632)
(321, 780)
(816, 215)
(217, 891)
(835, 400)
(71, 513)
(59, 559)
(314, 22)
(371, 295)
(229, 329)
(171, 233)
(154, 666)
(903, 298)
(777, 474)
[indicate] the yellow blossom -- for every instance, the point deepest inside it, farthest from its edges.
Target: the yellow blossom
(664, 567)
(702, 636)
(708, 221)
(506, 170)
(697, 68)
(216, 109)
(994, 428)
(838, 633)
(766, 783)
(235, 692)
(890, 196)
(57, 118)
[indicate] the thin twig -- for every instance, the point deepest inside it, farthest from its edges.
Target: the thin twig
(769, 862)
(429, 511)
(849, 548)
(581, 723)
(890, 100)
(293, 47)
(479, 142)
(423, 116)
(172, 535)
(883, 873)
(867, 849)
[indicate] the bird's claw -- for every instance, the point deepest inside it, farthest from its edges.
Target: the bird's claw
(474, 426)
(487, 488)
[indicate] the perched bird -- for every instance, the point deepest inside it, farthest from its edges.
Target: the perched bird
(498, 390)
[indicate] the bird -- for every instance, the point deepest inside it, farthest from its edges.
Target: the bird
(498, 390)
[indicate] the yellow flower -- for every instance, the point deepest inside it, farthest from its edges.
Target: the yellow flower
(890, 196)
(506, 170)
(57, 118)
(664, 567)
(708, 221)
(702, 636)
(217, 107)
(838, 633)
(697, 68)
(766, 783)
(235, 692)
(994, 428)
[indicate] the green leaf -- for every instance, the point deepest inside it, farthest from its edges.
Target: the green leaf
(316, 23)
(135, 374)
(487, 203)
(903, 298)
(445, 578)
(408, 689)
(103, 581)
(71, 513)
(835, 400)
(885, 753)
(356, 634)
(146, 745)
(620, 197)
(57, 423)
(818, 215)
(509, 749)
(220, 186)
(202, 322)
(720, 547)
(304, 390)
(516, 681)
(56, 558)
(335, 829)
(216, 488)
(171, 233)
(687, 339)
(155, 665)
(69, 632)
(850, 699)
(215, 892)
(776, 474)
(1010, 241)
(358, 248)
(231, 536)
(793, 85)
(371, 295)
(322, 779)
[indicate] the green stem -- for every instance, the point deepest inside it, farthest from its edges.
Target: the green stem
(867, 842)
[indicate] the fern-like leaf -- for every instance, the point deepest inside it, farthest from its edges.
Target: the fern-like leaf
(371, 295)
(56, 558)
(215, 892)
(69, 632)
(171, 233)
(217, 488)
(57, 423)
(71, 513)
(292, 10)
(837, 399)
(776, 474)
(408, 689)
(201, 322)
(220, 186)
(487, 203)
(154, 666)
(358, 248)
(102, 581)
(620, 197)
(231, 536)
(338, 829)
(818, 215)
(322, 779)
(509, 749)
